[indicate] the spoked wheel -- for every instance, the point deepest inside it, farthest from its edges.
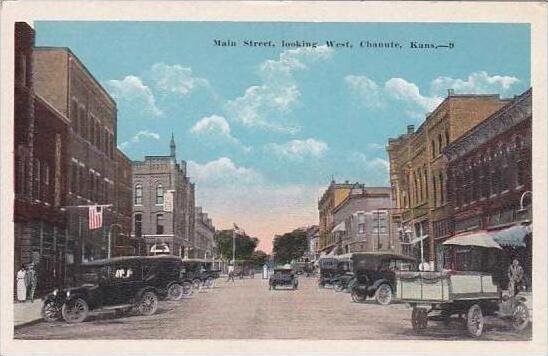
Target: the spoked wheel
(75, 311)
(357, 297)
(51, 311)
(175, 291)
(383, 294)
(196, 284)
(187, 289)
(209, 282)
(474, 321)
(419, 319)
(520, 317)
(338, 286)
(148, 304)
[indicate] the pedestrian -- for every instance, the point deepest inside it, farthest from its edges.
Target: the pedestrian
(31, 281)
(515, 277)
(230, 273)
(21, 284)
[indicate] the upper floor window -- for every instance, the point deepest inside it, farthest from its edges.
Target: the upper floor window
(159, 194)
(361, 223)
(440, 143)
(138, 195)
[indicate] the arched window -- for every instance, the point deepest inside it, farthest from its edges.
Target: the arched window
(160, 224)
(159, 194)
(425, 177)
(138, 197)
(138, 225)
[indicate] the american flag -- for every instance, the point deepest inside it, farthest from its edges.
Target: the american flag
(95, 217)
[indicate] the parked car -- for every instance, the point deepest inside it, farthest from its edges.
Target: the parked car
(283, 277)
(121, 284)
(200, 272)
(328, 271)
(376, 275)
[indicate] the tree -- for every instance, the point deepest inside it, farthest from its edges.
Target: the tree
(245, 245)
(290, 246)
(259, 258)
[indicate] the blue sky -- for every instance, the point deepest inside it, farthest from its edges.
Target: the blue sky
(264, 129)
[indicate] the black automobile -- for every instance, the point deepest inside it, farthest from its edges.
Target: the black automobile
(331, 270)
(375, 275)
(200, 272)
(283, 277)
(121, 284)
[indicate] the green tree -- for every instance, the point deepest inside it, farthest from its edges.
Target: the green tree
(245, 245)
(290, 246)
(259, 258)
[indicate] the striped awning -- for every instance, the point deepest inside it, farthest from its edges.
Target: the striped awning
(513, 236)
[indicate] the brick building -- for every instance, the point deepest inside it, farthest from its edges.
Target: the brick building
(418, 169)
(40, 140)
(163, 204)
(362, 221)
(64, 81)
(204, 246)
(489, 179)
(331, 198)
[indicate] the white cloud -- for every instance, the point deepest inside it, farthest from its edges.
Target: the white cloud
(133, 92)
(143, 134)
(269, 104)
(175, 78)
(298, 149)
(375, 170)
(216, 128)
(416, 104)
(232, 193)
(478, 82)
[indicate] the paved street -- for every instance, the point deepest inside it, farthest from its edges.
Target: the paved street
(246, 309)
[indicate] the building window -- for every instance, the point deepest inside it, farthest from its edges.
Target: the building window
(440, 143)
(442, 189)
(138, 225)
(434, 191)
(446, 136)
(361, 223)
(159, 194)
(91, 194)
(160, 224)
(138, 195)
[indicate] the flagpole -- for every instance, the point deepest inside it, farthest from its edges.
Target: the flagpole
(234, 246)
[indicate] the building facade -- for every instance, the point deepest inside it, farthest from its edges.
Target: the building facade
(418, 169)
(331, 198)
(489, 177)
(64, 81)
(362, 222)
(204, 246)
(163, 204)
(40, 154)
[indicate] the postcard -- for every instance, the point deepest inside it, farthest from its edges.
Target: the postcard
(273, 177)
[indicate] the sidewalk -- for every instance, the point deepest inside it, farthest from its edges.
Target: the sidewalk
(27, 312)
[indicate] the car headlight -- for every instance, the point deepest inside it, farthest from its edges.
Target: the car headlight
(68, 293)
(55, 291)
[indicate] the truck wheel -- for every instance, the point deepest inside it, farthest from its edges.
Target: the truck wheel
(520, 317)
(474, 321)
(50, 311)
(383, 294)
(75, 310)
(175, 292)
(148, 304)
(187, 288)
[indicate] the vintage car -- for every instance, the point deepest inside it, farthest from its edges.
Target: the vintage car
(375, 275)
(200, 272)
(121, 284)
(283, 277)
(329, 271)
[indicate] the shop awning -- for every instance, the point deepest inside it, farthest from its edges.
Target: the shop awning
(513, 236)
(341, 227)
(477, 238)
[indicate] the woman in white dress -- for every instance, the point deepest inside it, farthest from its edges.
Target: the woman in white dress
(21, 285)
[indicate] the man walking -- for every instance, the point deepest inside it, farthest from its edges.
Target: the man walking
(31, 281)
(230, 273)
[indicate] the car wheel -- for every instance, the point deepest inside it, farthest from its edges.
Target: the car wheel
(520, 317)
(50, 311)
(196, 283)
(474, 321)
(148, 304)
(209, 282)
(383, 294)
(338, 286)
(175, 292)
(75, 310)
(187, 288)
